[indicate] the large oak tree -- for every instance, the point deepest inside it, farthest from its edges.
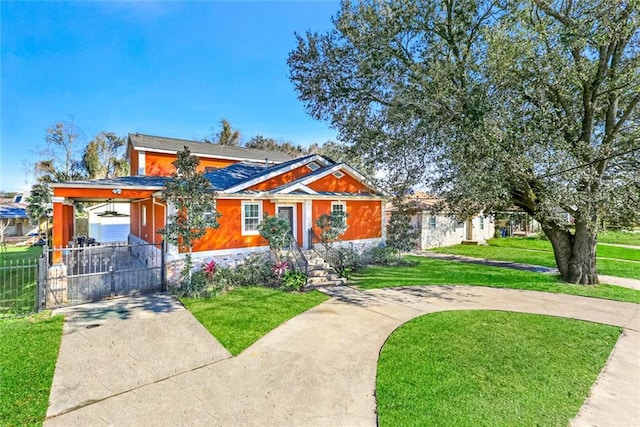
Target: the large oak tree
(490, 104)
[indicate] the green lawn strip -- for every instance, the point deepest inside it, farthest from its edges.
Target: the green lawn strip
(28, 353)
(428, 271)
(467, 368)
(605, 266)
(239, 318)
(18, 270)
(534, 244)
(620, 237)
(20, 253)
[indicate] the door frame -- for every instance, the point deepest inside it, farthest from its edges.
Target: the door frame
(294, 225)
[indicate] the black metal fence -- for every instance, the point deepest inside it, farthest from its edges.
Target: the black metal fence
(76, 275)
(18, 287)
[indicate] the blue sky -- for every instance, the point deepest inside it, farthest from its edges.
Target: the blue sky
(163, 68)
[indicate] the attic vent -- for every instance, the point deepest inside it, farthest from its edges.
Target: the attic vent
(313, 166)
(338, 174)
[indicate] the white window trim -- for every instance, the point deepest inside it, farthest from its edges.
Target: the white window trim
(246, 232)
(143, 215)
(141, 163)
(344, 209)
(433, 222)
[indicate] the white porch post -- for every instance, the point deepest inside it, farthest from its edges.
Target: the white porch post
(306, 224)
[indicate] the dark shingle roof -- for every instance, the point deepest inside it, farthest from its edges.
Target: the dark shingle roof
(123, 181)
(224, 178)
(150, 142)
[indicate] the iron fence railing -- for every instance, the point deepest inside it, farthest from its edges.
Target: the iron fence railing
(18, 287)
(298, 258)
(330, 255)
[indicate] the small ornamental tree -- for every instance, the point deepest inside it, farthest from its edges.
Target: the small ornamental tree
(332, 226)
(401, 235)
(277, 232)
(39, 204)
(195, 206)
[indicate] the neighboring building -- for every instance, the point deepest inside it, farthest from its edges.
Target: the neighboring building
(249, 185)
(14, 219)
(439, 229)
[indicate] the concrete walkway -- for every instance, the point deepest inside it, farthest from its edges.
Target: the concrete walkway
(144, 367)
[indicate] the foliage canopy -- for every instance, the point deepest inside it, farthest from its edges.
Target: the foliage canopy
(490, 104)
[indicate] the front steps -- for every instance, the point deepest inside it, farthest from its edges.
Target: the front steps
(320, 273)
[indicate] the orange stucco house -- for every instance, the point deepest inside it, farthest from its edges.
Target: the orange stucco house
(249, 185)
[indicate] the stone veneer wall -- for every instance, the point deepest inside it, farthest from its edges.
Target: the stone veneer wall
(175, 262)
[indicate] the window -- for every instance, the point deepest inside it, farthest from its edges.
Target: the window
(339, 208)
(144, 216)
(432, 222)
(481, 223)
(251, 216)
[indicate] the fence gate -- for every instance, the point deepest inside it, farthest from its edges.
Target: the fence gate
(76, 275)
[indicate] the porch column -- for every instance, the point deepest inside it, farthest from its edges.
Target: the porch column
(63, 225)
(306, 224)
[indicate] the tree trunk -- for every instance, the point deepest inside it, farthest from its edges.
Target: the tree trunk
(575, 253)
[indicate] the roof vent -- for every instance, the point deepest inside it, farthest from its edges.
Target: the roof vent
(338, 174)
(313, 166)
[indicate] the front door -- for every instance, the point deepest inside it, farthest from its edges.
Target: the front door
(286, 212)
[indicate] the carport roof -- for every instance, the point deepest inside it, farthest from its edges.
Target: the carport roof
(137, 181)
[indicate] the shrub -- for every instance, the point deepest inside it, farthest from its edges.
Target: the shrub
(256, 270)
(276, 231)
(293, 280)
(351, 261)
(382, 256)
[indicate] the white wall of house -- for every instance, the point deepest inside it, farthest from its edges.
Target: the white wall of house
(443, 230)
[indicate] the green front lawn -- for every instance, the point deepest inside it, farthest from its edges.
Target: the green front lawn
(20, 253)
(28, 354)
(534, 244)
(501, 252)
(620, 237)
(18, 270)
(241, 317)
(486, 368)
(428, 271)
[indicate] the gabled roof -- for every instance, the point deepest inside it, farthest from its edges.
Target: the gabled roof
(232, 175)
(300, 184)
(273, 171)
(204, 149)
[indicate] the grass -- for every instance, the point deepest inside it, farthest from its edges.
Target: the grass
(18, 269)
(533, 244)
(241, 317)
(20, 253)
(465, 368)
(428, 271)
(28, 351)
(532, 251)
(620, 237)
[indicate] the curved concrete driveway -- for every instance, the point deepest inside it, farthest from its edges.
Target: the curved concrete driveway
(319, 368)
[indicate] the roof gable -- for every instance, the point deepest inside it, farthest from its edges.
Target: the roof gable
(160, 144)
(273, 171)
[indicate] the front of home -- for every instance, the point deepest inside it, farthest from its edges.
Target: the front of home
(249, 184)
(437, 227)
